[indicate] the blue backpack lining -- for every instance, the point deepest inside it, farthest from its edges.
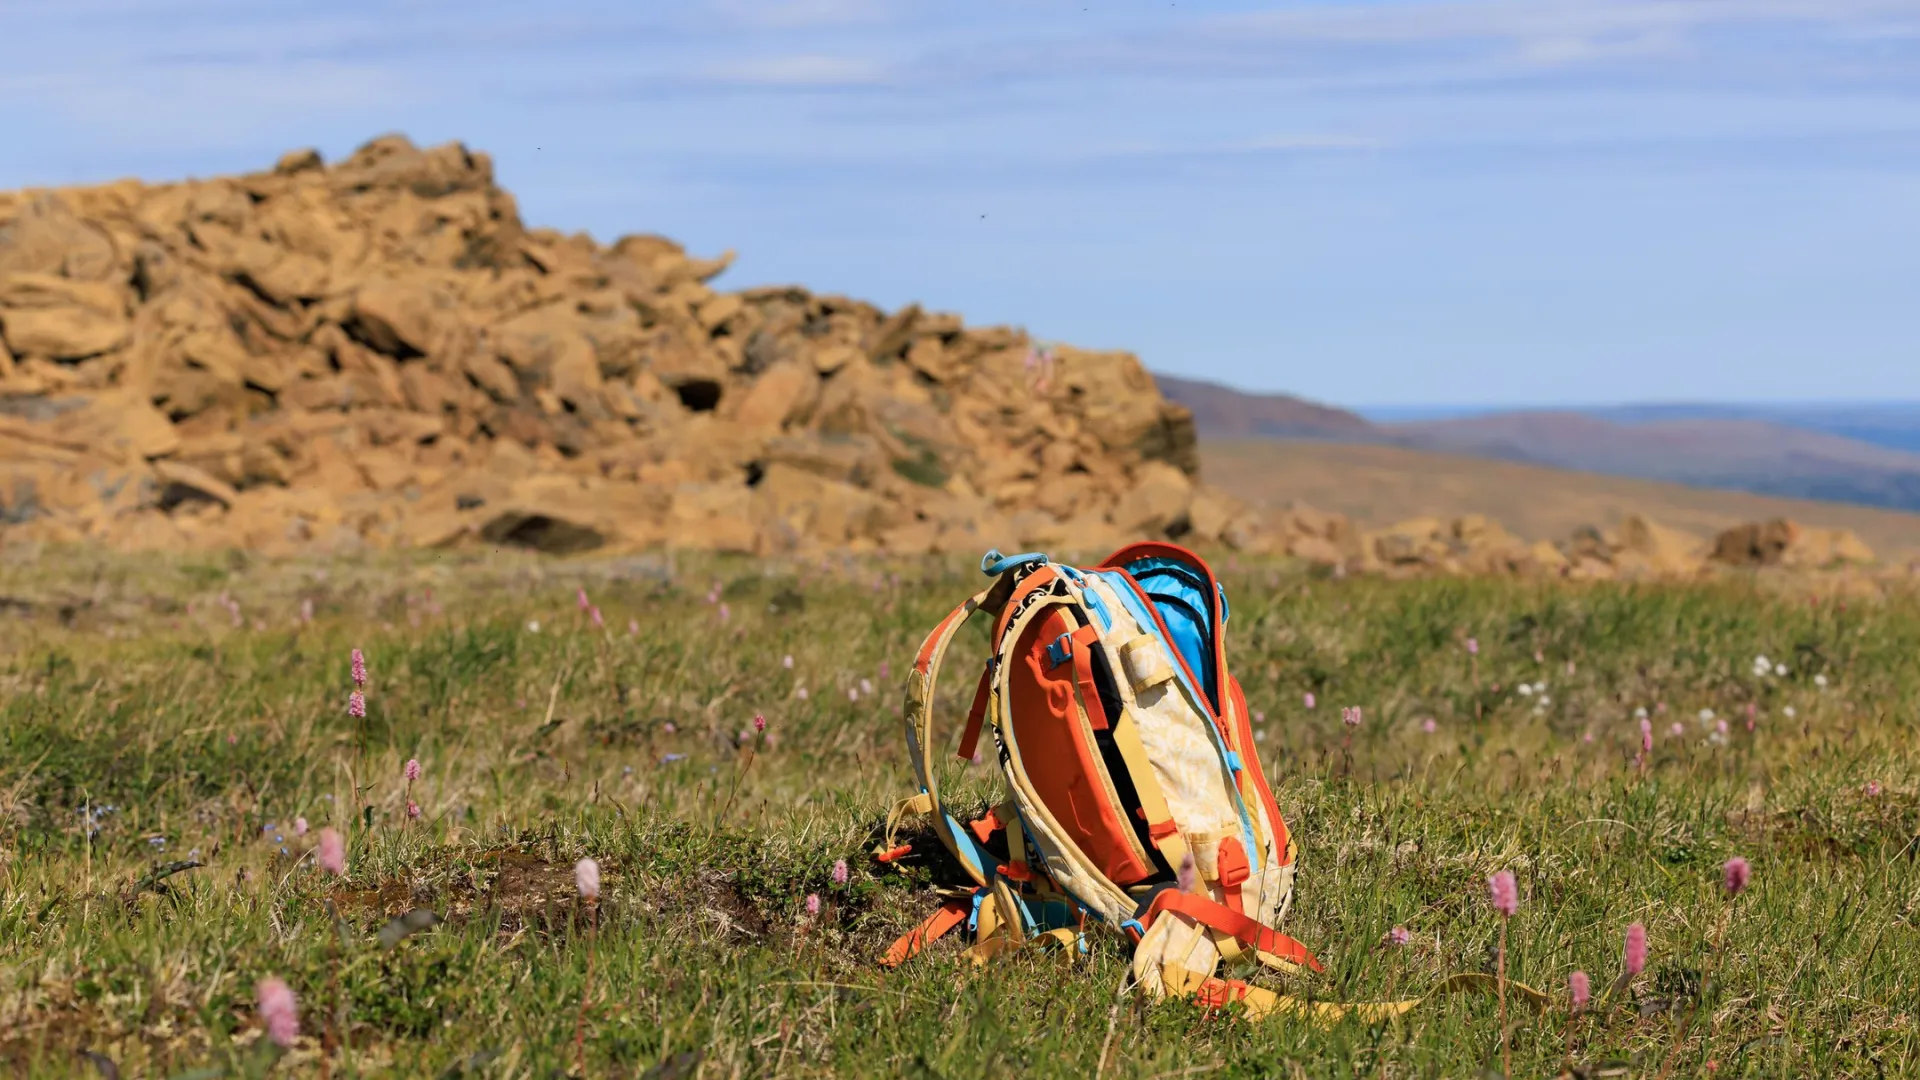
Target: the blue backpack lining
(1180, 593)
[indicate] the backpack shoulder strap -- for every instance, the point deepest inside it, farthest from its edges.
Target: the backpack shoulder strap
(918, 715)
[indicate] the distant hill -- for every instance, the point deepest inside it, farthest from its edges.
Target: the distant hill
(1744, 455)
(1894, 425)
(1863, 453)
(1225, 413)
(1379, 485)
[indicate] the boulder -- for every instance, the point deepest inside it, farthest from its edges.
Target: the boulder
(1652, 548)
(1157, 503)
(1781, 542)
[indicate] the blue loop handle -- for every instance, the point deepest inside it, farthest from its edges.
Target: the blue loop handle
(994, 564)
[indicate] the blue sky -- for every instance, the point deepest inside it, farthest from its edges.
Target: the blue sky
(1372, 202)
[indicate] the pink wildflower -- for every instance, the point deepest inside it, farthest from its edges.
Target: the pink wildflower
(412, 770)
(1872, 789)
(413, 810)
(1636, 949)
(1580, 989)
(331, 854)
(839, 871)
(866, 687)
(759, 722)
(278, 1011)
(853, 693)
(580, 599)
(787, 661)
(801, 693)
(359, 668)
(1738, 872)
(633, 627)
(299, 826)
(357, 705)
(1473, 646)
(593, 616)
(1677, 729)
(813, 904)
(886, 669)
(1506, 894)
(1646, 735)
(1720, 727)
(1308, 699)
(1399, 935)
(1350, 717)
(725, 613)
(586, 878)
(1429, 725)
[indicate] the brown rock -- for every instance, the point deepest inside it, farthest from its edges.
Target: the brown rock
(1541, 557)
(394, 317)
(61, 333)
(1418, 540)
(1158, 502)
(783, 391)
(1650, 547)
(182, 483)
(1781, 542)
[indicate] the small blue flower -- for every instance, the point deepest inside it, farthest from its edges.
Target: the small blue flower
(670, 758)
(157, 841)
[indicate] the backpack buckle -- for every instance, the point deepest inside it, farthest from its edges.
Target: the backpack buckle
(1060, 650)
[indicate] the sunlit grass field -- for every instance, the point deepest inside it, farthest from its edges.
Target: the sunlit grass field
(161, 711)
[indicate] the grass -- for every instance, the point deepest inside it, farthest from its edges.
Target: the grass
(178, 709)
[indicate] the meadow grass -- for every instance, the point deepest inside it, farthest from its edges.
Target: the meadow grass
(160, 710)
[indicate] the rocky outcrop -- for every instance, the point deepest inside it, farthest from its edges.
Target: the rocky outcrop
(1789, 544)
(379, 352)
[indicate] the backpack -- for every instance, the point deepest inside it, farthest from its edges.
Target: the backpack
(1135, 796)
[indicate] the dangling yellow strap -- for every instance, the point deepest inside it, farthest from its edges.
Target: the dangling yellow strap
(918, 805)
(1261, 1002)
(1146, 785)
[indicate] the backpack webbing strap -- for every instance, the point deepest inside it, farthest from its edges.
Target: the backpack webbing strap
(1213, 916)
(951, 914)
(977, 714)
(918, 714)
(1146, 786)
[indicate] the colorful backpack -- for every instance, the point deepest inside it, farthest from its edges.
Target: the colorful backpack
(1135, 796)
